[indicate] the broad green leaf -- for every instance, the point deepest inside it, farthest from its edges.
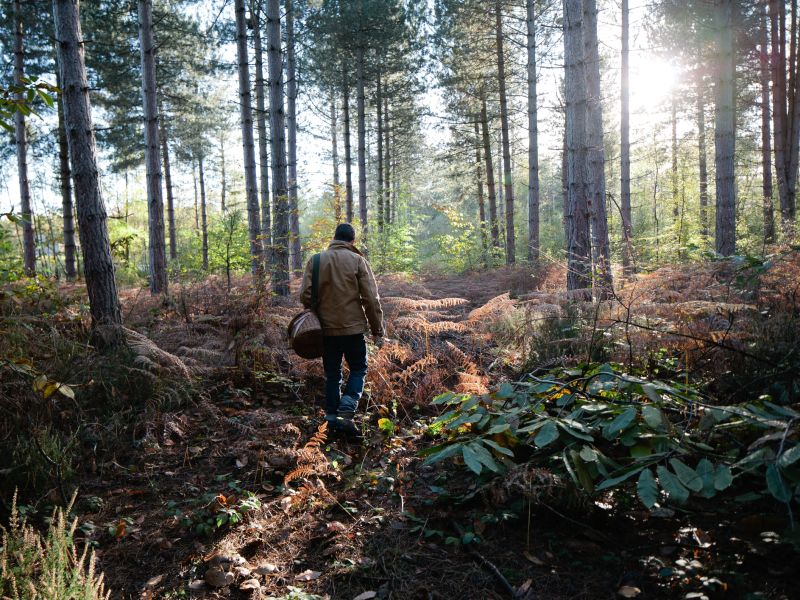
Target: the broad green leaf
(498, 428)
(547, 434)
(441, 452)
(444, 398)
(652, 416)
(575, 433)
(614, 481)
(588, 454)
(620, 423)
(755, 459)
(723, 478)
(498, 447)
(687, 475)
(672, 485)
(790, 456)
(647, 489)
(471, 460)
(651, 392)
(505, 391)
(777, 485)
(484, 456)
(580, 469)
(705, 469)
(641, 450)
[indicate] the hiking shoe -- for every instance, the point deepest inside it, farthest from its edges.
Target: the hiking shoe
(347, 427)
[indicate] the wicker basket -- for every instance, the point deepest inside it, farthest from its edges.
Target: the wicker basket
(305, 335)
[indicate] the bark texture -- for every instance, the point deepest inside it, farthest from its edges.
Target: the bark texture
(490, 182)
(173, 241)
(766, 142)
(362, 153)
(625, 145)
(203, 215)
(98, 267)
(21, 139)
(291, 123)
(348, 153)
(263, 139)
(280, 186)
(337, 194)
(155, 202)
(508, 182)
(248, 143)
(65, 178)
(533, 138)
(725, 130)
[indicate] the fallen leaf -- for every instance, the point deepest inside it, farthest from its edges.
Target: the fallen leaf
(628, 591)
(216, 577)
(266, 569)
(241, 462)
(153, 581)
(524, 588)
(308, 575)
(242, 572)
(537, 561)
(366, 596)
(197, 585)
(336, 526)
(250, 585)
(120, 529)
(286, 503)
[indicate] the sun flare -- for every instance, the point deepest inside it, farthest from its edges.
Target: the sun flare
(652, 81)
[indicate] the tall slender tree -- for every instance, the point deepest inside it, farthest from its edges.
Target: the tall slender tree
(295, 249)
(508, 182)
(263, 139)
(625, 145)
(725, 129)
(280, 185)
(20, 135)
(248, 143)
(362, 139)
(348, 158)
(576, 217)
(65, 180)
(98, 266)
(533, 137)
(155, 203)
(337, 192)
(766, 142)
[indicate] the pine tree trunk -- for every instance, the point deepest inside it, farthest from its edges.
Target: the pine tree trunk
(579, 257)
(173, 242)
(725, 130)
(596, 153)
(362, 154)
(481, 198)
(98, 265)
(263, 140)
(196, 197)
(387, 186)
(779, 114)
(625, 146)
(508, 182)
(28, 236)
(533, 139)
(337, 197)
(155, 202)
(222, 176)
(203, 214)
(248, 143)
(703, 161)
(348, 158)
(379, 108)
(766, 143)
(291, 122)
(487, 153)
(280, 184)
(674, 171)
(66, 188)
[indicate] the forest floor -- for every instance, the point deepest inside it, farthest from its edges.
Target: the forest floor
(225, 487)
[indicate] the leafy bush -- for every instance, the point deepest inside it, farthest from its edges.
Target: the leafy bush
(50, 568)
(603, 428)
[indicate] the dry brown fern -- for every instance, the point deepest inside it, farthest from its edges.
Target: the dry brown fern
(418, 367)
(310, 459)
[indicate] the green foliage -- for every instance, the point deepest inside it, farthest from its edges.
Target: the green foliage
(210, 512)
(35, 567)
(22, 98)
(605, 429)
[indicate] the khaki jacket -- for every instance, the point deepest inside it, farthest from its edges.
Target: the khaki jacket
(348, 300)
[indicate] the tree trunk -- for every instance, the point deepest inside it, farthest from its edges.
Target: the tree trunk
(579, 258)
(222, 176)
(596, 153)
(487, 153)
(291, 122)
(481, 198)
(387, 187)
(28, 237)
(66, 187)
(703, 161)
(533, 141)
(766, 144)
(348, 159)
(362, 154)
(725, 130)
(786, 193)
(263, 140)
(173, 242)
(196, 197)
(674, 173)
(379, 108)
(98, 265)
(248, 143)
(203, 213)
(337, 198)
(508, 182)
(625, 147)
(155, 203)
(280, 185)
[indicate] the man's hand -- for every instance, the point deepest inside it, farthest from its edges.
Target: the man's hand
(379, 340)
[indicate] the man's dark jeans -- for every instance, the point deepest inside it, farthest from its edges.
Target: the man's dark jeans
(354, 350)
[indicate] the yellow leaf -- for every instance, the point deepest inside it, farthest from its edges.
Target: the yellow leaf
(50, 389)
(67, 391)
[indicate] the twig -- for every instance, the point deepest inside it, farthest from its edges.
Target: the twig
(486, 563)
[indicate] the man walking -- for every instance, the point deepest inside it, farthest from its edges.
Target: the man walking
(348, 306)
